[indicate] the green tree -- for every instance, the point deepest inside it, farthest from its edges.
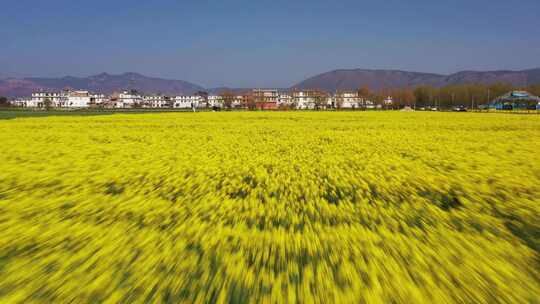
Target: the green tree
(227, 98)
(498, 89)
(364, 91)
(403, 97)
(424, 95)
(320, 99)
(534, 89)
(4, 102)
(47, 104)
(250, 101)
(378, 98)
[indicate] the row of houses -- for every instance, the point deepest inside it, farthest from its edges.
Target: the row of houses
(256, 98)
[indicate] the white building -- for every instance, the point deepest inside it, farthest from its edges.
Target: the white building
(266, 95)
(188, 101)
(239, 101)
(266, 99)
(369, 104)
(24, 103)
(308, 99)
(77, 99)
(303, 99)
(98, 99)
(56, 99)
(285, 99)
(63, 99)
(215, 101)
(351, 100)
(129, 99)
(157, 101)
(348, 100)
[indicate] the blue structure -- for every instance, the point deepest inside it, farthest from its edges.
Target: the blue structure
(516, 100)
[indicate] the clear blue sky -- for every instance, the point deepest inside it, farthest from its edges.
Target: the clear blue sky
(264, 43)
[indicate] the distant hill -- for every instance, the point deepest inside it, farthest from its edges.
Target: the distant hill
(104, 82)
(380, 79)
(330, 81)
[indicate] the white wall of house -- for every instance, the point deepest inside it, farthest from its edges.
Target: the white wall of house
(215, 101)
(238, 101)
(77, 99)
(98, 99)
(128, 100)
(58, 99)
(64, 99)
(351, 100)
(157, 101)
(266, 95)
(285, 99)
(24, 102)
(187, 101)
(303, 100)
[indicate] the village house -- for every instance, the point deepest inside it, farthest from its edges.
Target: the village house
(285, 99)
(310, 99)
(265, 99)
(240, 101)
(129, 99)
(351, 100)
(78, 99)
(23, 103)
(388, 101)
(188, 101)
(348, 99)
(157, 101)
(97, 99)
(125, 99)
(215, 101)
(40, 98)
(63, 99)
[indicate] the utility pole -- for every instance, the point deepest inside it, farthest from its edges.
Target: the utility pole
(488, 97)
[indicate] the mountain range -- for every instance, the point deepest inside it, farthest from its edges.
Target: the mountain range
(330, 81)
(388, 79)
(105, 83)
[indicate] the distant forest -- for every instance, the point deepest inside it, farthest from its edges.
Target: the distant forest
(470, 95)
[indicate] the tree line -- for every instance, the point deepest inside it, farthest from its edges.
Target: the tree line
(468, 95)
(4, 102)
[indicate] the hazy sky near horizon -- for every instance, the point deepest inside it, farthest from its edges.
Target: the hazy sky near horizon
(264, 43)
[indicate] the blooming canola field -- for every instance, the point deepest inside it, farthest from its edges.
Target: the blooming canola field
(262, 207)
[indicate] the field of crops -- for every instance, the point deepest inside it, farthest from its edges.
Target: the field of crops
(270, 207)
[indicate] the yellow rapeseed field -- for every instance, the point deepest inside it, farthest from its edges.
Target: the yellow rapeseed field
(356, 207)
